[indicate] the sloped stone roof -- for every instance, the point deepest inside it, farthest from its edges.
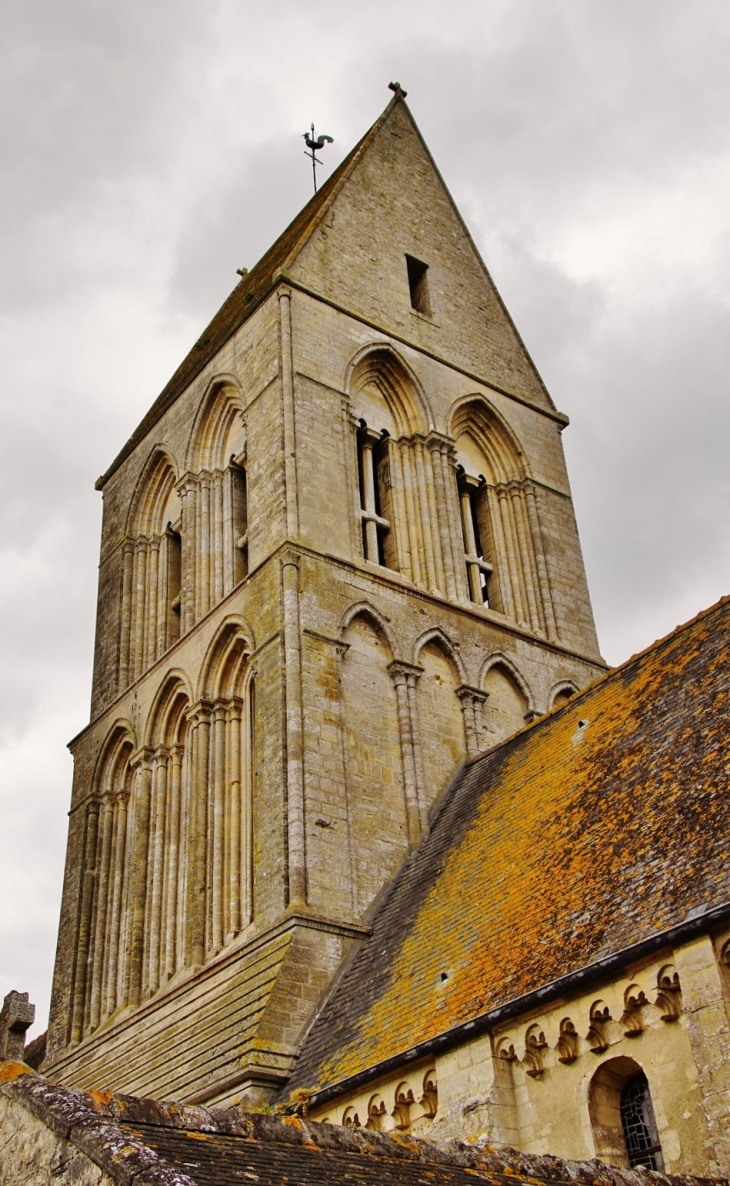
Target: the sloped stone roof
(598, 829)
(162, 1144)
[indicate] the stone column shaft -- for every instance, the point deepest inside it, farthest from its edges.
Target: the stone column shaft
(294, 731)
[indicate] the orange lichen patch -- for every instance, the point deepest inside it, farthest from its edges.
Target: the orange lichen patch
(599, 826)
(196, 1136)
(13, 1070)
(100, 1099)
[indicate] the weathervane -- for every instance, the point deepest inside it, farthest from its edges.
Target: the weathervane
(314, 146)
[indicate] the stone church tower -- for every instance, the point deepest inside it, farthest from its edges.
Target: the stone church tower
(338, 557)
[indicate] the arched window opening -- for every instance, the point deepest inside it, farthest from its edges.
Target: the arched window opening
(150, 609)
(639, 1124)
(562, 697)
(174, 581)
(216, 502)
(239, 508)
(622, 1116)
(376, 498)
(478, 541)
(503, 546)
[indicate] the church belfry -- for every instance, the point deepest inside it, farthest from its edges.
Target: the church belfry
(338, 558)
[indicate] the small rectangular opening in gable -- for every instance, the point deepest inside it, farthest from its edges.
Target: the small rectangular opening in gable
(418, 285)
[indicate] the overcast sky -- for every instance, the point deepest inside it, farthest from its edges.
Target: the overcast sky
(151, 147)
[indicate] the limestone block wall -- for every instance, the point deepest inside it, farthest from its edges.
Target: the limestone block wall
(177, 813)
(34, 1153)
(550, 1081)
(195, 438)
(398, 689)
(345, 374)
(394, 204)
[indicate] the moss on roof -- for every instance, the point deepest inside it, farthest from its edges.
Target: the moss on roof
(595, 828)
(153, 1143)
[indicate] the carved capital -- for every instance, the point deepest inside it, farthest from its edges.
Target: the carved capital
(404, 673)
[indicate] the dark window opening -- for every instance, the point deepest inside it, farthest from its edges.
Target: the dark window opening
(239, 498)
(639, 1124)
(418, 285)
(478, 545)
(174, 575)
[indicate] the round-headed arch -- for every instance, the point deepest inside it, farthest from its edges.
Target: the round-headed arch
(218, 431)
(155, 501)
(378, 376)
(480, 428)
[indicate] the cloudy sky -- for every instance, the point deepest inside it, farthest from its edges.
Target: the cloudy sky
(151, 147)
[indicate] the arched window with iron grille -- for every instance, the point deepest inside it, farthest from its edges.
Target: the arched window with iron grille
(639, 1124)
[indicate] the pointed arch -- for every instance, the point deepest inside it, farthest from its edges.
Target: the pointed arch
(226, 658)
(440, 725)
(561, 693)
(218, 430)
(473, 417)
(149, 621)
(228, 692)
(168, 710)
(99, 975)
(155, 499)
(364, 609)
(378, 372)
(373, 751)
(499, 660)
(120, 734)
(504, 553)
(441, 639)
(216, 498)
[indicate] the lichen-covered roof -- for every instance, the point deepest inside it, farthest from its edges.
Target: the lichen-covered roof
(254, 287)
(596, 828)
(163, 1144)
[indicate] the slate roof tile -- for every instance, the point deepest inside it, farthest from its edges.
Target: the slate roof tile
(154, 1143)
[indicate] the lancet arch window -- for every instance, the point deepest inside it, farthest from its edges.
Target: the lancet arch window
(102, 970)
(228, 712)
(407, 503)
(151, 571)
(215, 498)
(502, 552)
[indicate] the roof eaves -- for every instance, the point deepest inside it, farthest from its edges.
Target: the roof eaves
(695, 923)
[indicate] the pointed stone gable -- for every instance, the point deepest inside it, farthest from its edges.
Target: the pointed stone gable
(385, 201)
(392, 205)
